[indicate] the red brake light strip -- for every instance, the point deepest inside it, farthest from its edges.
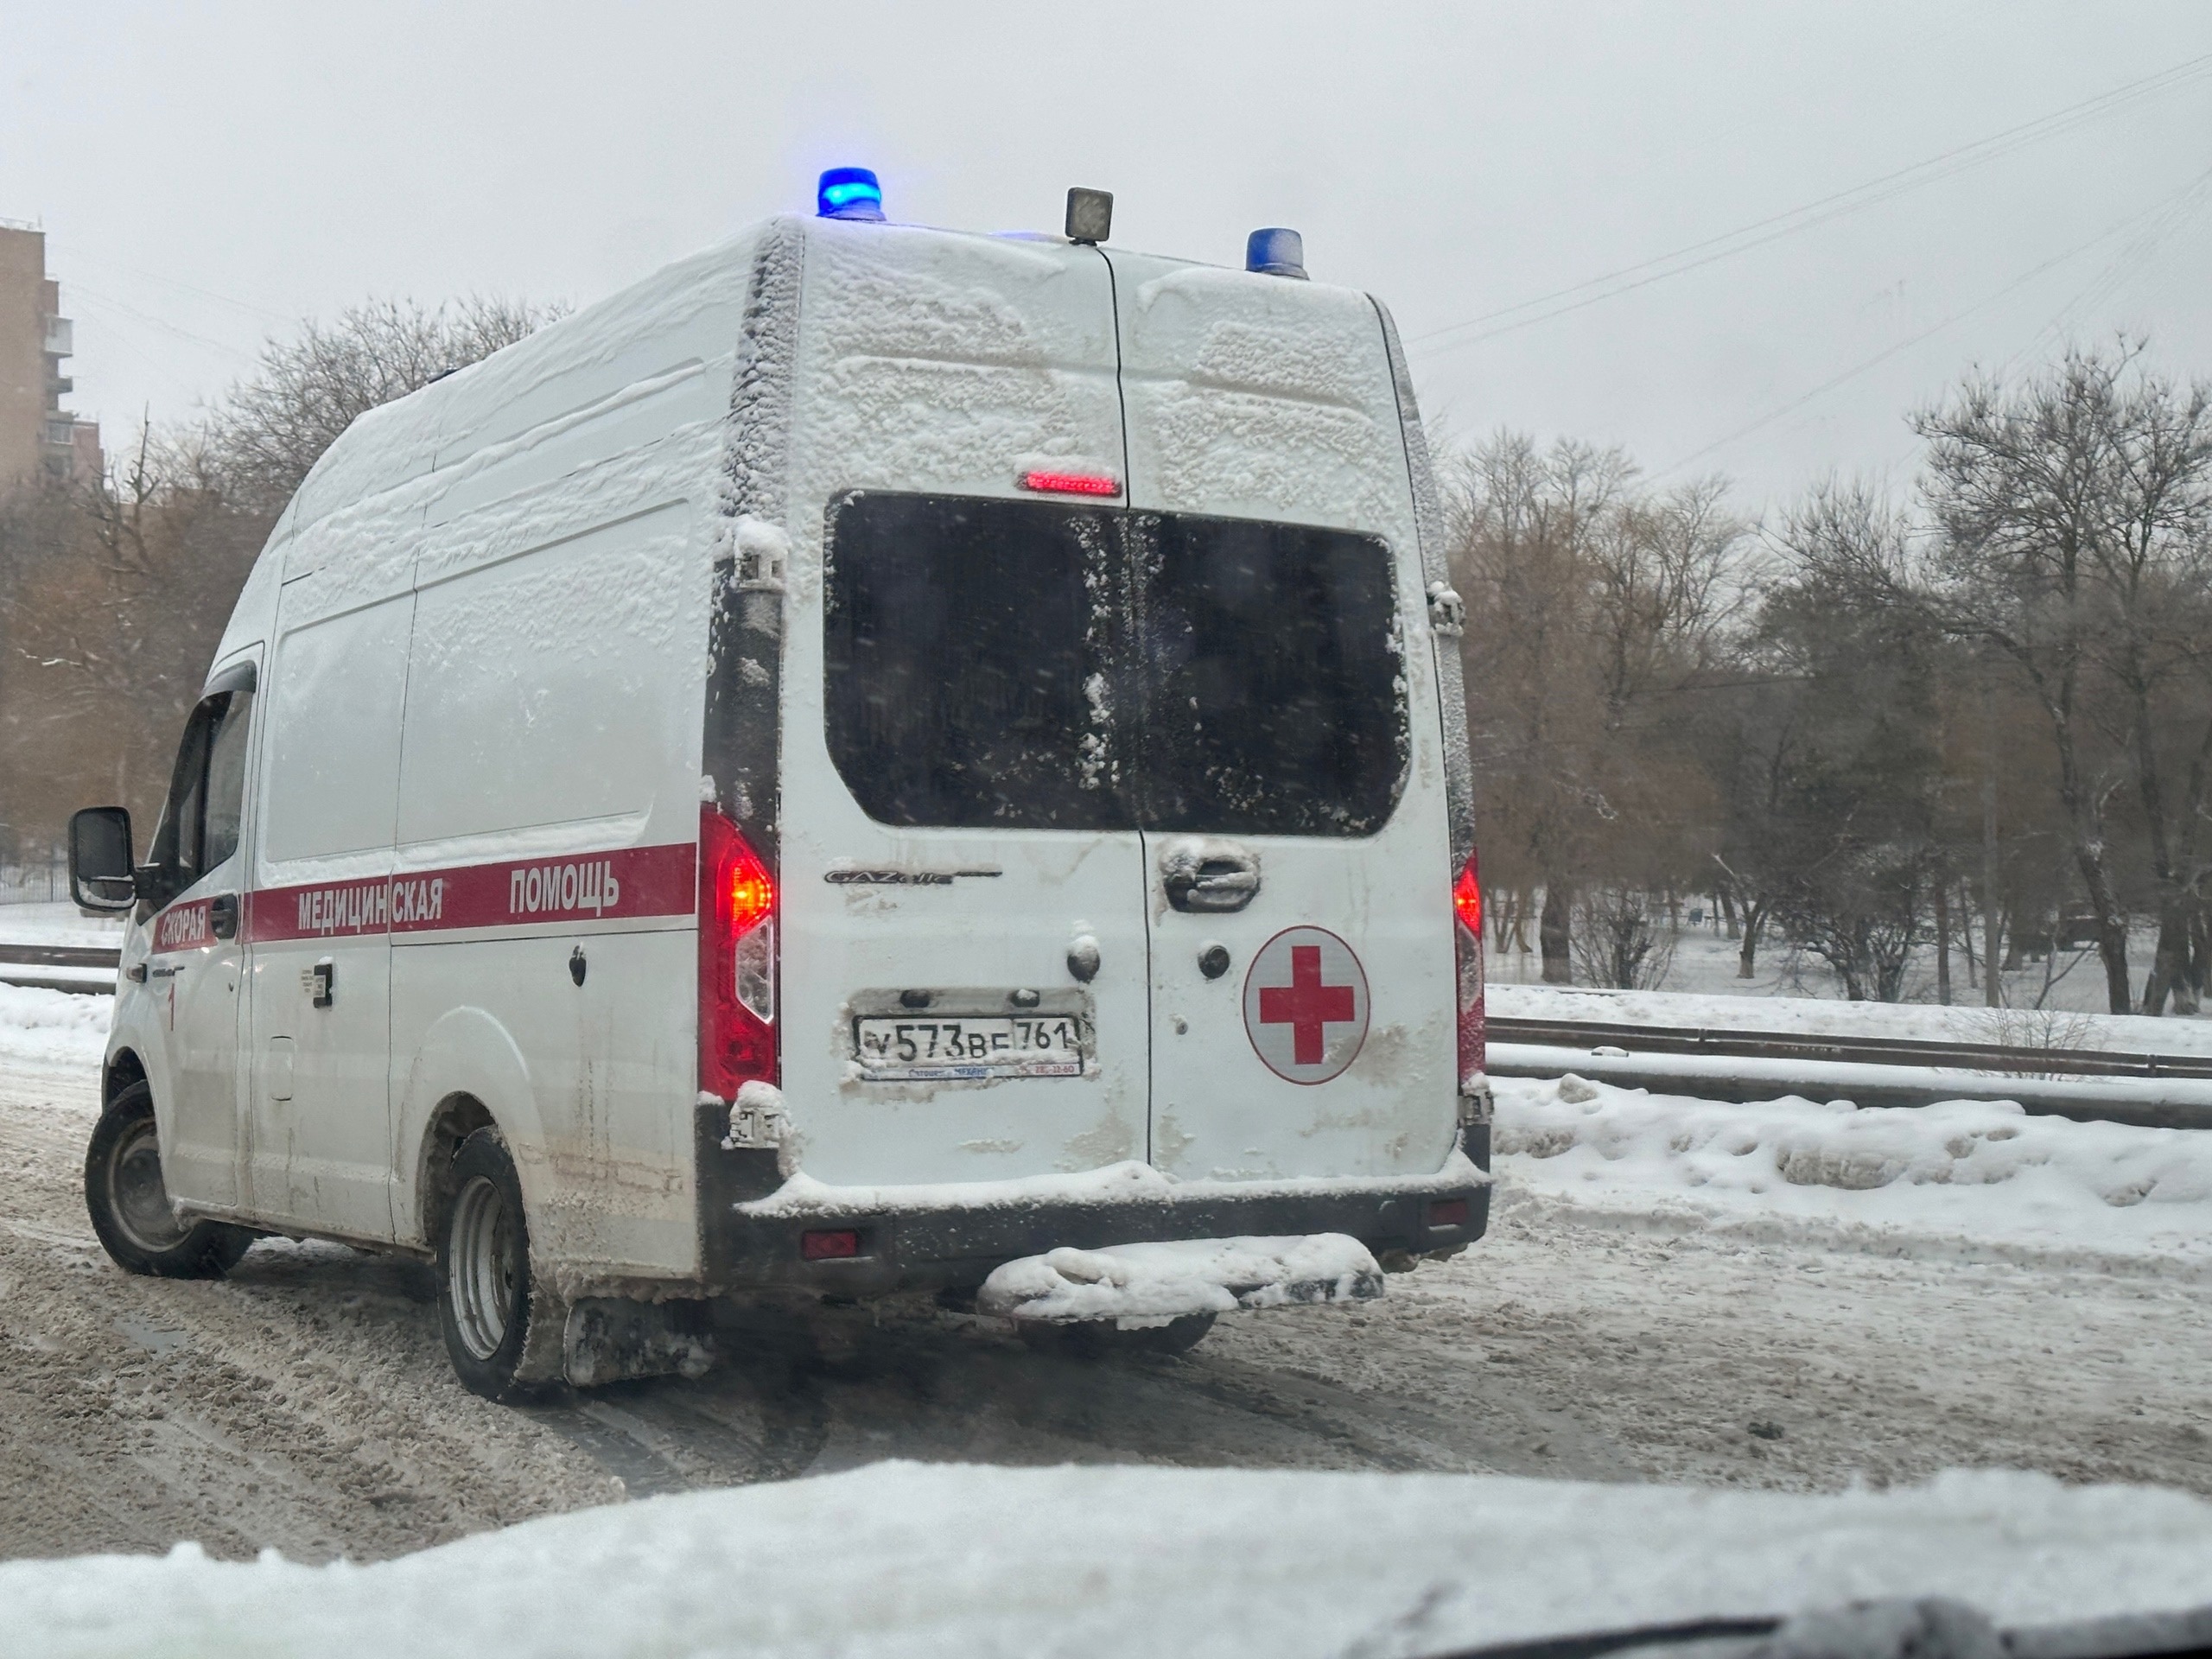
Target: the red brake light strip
(1071, 483)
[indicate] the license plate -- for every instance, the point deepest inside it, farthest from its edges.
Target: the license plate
(955, 1047)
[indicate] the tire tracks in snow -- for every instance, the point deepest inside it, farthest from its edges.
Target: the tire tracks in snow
(305, 1403)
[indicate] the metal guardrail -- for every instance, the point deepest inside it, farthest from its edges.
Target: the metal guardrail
(61, 955)
(1848, 1051)
(17, 960)
(17, 963)
(2149, 1090)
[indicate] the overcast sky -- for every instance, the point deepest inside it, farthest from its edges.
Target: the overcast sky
(208, 175)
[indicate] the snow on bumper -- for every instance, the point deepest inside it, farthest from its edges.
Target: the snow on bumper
(1171, 1279)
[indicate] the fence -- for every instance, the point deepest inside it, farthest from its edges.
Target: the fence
(40, 883)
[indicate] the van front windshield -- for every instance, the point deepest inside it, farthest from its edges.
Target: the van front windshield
(1030, 665)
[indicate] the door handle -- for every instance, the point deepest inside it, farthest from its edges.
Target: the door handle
(223, 915)
(1208, 876)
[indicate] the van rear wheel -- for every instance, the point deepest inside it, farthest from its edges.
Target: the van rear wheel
(129, 1202)
(487, 1302)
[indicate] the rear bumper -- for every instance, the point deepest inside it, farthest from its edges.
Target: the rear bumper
(957, 1247)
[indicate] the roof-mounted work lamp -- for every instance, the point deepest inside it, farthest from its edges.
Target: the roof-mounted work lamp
(1091, 215)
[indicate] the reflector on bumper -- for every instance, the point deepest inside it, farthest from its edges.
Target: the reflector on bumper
(1147, 1284)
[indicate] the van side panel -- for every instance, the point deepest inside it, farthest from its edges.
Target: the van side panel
(551, 774)
(552, 727)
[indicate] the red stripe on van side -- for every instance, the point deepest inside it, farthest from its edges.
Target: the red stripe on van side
(627, 882)
(183, 927)
(322, 910)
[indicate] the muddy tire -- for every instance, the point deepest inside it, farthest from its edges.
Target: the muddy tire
(1098, 1340)
(130, 1205)
(487, 1302)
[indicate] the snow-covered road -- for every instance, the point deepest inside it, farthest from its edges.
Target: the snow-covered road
(1635, 1315)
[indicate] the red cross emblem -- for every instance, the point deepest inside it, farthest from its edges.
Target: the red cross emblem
(1306, 1004)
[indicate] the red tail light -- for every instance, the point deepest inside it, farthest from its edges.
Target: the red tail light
(829, 1244)
(1467, 899)
(737, 961)
(1467, 909)
(1071, 483)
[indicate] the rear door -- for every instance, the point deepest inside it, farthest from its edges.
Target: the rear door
(964, 994)
(1296, 848)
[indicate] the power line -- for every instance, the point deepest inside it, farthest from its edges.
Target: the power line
(2128, 265)
(156, 322)
(1824, 210)
(247, 305)
(2195, 186)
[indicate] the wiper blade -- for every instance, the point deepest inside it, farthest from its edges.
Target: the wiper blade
(1930, 1628)
(1591, 1644)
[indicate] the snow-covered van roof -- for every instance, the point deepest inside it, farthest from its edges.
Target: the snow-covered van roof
(1282, 379)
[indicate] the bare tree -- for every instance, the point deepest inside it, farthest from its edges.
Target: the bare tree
(1617, 942)
(113, 599)
(113, 594)
(1591, 606)
(2071, 516)
(2076, 512)
(258, 444)
(1841, 772)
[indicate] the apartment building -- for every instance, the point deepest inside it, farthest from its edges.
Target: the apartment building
(38, 437)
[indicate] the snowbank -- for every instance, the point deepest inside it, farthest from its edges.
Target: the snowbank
(53, 1027)
(2127, 1033)
(920, 1560)
(1982, 1172)
(2182, 1103)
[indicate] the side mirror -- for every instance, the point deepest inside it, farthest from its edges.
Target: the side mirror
(99, 858)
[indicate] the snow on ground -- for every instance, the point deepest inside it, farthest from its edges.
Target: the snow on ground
(1704, 965)
(53, 1027)
(910, 1559)
(57, 923)
(1821, 1016)
(1966, 1173)
(1785, 1294)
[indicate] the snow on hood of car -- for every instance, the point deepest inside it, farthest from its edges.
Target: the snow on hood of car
(919, 1560)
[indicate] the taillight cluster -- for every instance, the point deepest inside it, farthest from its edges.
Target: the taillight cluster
(1467, 932)
(737, 961)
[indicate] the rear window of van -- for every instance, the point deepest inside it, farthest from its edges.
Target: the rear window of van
(1033, 664)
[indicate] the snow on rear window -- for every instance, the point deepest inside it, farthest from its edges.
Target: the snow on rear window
(1035, 665)
(1274, 701)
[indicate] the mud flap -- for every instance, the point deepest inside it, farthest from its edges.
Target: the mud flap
(612, 1339)
(542, 1343)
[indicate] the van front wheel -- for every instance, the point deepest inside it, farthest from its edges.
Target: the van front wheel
(130, 1203)
(487, 1302)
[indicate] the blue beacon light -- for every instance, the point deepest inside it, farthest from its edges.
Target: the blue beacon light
(1276, 251)
(849, 193)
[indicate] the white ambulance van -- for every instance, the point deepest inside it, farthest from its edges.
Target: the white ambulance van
(877, 759)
